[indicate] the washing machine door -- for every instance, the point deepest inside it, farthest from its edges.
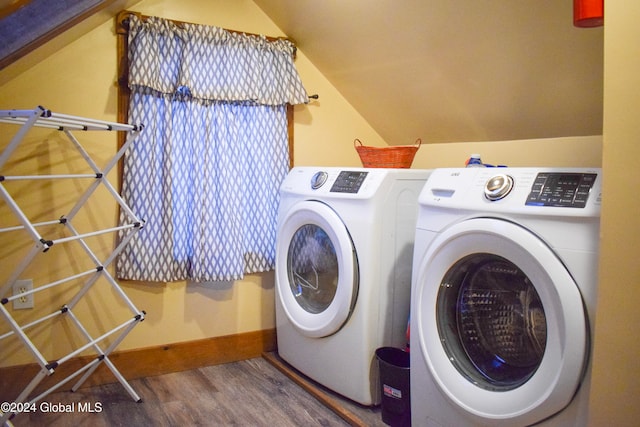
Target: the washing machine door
(502, 325)
(316, 269)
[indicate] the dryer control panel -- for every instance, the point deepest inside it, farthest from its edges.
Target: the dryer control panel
(569, 190)
(337, 183)
(345, 182)
(348, 182)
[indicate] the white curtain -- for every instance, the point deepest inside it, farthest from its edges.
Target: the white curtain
(205, 171)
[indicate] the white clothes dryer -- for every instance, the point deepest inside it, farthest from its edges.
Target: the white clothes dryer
(343, 271)
(503, 296)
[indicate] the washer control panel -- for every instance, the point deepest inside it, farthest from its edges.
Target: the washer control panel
(569, 190)
(566, 192)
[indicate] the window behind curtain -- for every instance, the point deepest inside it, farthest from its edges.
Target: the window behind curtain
(205, 171)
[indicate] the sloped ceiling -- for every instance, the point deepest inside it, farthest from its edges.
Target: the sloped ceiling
(439, 70)
(40, 27)
(454, 70)
(26, 21)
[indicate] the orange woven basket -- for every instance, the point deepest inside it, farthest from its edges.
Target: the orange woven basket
(399, 156)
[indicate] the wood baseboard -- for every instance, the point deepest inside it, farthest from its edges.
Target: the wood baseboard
(145, 362)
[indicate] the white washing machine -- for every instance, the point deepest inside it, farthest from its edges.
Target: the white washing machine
(343, 271)
(503, 296)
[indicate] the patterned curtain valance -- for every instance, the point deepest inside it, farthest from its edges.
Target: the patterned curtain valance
(212, 63)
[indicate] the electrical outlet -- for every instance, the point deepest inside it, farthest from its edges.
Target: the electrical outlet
(25, 301)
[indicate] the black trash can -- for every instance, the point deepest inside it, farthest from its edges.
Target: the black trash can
(395, 386)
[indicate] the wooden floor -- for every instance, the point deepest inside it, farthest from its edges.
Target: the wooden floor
(254, 392)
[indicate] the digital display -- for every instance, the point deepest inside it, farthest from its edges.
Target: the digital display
(569, 190)
(348, 182)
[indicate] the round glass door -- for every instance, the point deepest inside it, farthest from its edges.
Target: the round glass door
(316, 269)
(313, 268)
(501, 324)
(491, 321)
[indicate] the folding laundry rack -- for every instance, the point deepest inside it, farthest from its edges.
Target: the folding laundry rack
(83, 281)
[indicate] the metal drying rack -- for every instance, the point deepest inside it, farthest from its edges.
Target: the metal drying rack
(83, 281)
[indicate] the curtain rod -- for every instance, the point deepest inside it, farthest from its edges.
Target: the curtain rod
(122, 27)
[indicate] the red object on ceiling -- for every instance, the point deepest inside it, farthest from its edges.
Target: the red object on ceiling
(588, 13)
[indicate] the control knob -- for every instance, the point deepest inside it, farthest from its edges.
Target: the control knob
(498, 186)
(318, 179)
